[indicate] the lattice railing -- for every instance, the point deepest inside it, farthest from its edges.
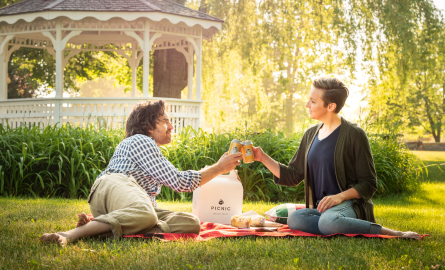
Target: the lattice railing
(175, 29)
(31, 42)
(105, 112)
(25, 27)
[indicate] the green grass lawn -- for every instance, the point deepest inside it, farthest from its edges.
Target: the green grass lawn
(430, 159)
(22, 221)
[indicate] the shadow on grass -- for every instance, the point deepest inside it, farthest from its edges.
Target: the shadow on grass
(419, 198)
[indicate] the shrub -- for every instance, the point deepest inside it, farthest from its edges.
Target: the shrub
(64, 161)
(398, 170)
(54, 161)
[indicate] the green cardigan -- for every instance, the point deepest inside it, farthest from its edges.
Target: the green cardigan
(354, 167)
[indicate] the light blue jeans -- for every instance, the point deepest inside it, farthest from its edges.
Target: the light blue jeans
(338, 219)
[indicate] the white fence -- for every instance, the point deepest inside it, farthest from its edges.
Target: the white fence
(102, 112)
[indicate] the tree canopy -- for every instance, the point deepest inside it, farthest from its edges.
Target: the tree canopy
(259, 68)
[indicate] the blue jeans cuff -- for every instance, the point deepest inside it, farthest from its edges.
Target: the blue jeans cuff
(375, 229)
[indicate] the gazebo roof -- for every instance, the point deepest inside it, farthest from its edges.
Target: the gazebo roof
(100, 6)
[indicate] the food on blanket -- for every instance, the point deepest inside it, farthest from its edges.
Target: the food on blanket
(247, 151)
(235, 146)
(281, 212)
(272, 224)
(258, 221)
(241, 221)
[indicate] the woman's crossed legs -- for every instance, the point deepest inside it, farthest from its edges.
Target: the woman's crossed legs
(338, 219)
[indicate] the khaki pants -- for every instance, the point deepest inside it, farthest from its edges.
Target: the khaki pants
(118, 200)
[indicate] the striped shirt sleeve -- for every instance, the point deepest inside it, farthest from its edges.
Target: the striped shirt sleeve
(149, 158)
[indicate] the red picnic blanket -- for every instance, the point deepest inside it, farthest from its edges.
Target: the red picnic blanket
(211, 230)
(214, 230)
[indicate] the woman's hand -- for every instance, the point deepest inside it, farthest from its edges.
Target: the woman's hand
(258, 153)
(333, 200)
(328, 202)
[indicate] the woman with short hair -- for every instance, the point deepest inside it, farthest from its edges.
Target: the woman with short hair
(335, 160)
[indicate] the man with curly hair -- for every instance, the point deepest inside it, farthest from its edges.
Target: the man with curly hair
(123, 198)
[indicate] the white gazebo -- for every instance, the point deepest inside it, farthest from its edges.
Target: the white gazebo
(131, 28)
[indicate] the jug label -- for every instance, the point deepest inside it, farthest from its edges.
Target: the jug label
(223, 208)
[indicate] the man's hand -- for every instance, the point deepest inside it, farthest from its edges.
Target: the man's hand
(224, 165)
(328, 202)
(227, 163)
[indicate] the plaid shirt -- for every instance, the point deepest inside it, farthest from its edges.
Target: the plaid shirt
(139, 156)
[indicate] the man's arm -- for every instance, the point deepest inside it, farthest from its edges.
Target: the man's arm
(148, 157)
(224, 165)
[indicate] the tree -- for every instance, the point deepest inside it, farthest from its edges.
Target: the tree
(169, 73)
(405, 45)
(301, 40)
(262, 63)
(32, 69)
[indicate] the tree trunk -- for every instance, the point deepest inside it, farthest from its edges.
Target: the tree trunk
(169, 73)
(434, 131)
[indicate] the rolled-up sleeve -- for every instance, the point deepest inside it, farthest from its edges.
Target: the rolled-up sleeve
(366, 184)
(148, 157)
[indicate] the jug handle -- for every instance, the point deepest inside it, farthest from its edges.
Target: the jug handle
(234, 174)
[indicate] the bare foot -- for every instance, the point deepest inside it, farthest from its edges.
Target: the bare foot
(410, 234)
(54, 238)
(83, 219)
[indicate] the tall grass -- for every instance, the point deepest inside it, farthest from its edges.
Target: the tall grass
(54, 161)
(64, 161)
(193, 150)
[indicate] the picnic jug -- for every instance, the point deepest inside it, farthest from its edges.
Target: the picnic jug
(219, 199)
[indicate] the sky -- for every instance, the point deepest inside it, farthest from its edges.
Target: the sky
(440, 4)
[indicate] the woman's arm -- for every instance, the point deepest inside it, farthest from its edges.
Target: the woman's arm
(290, 175)
(366, 174)
(269, 162)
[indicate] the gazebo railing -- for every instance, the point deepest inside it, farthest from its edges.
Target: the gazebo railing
(102, 112)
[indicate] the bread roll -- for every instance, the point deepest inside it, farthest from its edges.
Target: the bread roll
(241, 221)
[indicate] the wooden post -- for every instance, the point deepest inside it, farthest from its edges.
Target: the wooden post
(134, 67)
(56, 113)
(147, 48)
(199, 69)
(3, 74)
(59, 61)
(190, 72)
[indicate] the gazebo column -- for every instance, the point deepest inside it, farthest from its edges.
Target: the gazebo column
(4, 53)
(3, 73)
(145, 43)
(190, 73)
(197, 45)
(199, 69)
(134, 70)
(59, 60)
(146, 48)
